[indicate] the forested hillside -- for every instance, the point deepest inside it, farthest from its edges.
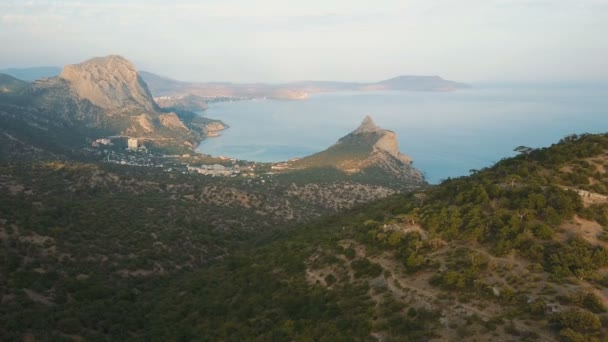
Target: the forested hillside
(513, 252)
(517, 251)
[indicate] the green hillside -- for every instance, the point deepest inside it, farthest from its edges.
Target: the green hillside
(10, 84)
(351, 149)
(517, 251)
(504, 253)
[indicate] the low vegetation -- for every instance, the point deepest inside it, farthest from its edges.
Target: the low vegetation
(514, 252)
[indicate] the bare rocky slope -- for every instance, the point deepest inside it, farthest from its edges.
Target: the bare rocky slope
(101, 96)
(369, 149)
(110, 82)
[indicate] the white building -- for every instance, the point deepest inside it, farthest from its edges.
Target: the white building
(103, 141)
(132, 144)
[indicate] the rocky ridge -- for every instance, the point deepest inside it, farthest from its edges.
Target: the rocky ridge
(110, 82)
(367, 149)
(100, 97)
(387, 142)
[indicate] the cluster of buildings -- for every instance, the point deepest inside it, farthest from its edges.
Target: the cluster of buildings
(139, 159)
(102, 141)
(284, 165)
(224, 171)
(173, 162)
(132, 143)
(216, 170)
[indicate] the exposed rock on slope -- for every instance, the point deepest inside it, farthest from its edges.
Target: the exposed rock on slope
(99, 97)
(387, 141)
(110, 82)
(368, 149)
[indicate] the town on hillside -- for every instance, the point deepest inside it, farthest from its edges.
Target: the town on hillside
(131, 151)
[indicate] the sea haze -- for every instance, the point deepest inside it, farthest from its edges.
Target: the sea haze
(447, 134)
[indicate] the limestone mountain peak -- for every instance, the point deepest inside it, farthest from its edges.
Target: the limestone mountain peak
(110, 82)
(367, 126)
(370, 148)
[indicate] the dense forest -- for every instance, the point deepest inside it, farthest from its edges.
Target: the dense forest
(517, 251)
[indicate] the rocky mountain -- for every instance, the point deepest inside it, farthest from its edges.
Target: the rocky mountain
(166, 87)
(163, 86)
(369, 149)
(110, 82)
(99, 97)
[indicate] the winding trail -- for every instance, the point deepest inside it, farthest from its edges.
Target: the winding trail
(389, 264)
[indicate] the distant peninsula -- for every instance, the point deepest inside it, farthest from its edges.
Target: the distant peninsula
(172, 93)
(166, 87)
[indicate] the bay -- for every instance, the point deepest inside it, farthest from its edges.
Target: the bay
(447, 134)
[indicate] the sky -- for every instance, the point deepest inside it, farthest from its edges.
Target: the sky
(348, 40)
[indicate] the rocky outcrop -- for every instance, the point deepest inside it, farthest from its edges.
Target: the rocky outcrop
(368, 149)
(144, 122)
(100, 97)
(113, 84)
(367, 126)
(172, 121)
(386, 143)
(110, 82)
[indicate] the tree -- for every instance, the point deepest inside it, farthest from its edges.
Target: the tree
(524, 150)
(411, 217)
(581, 321)
(395, 238)
(512, 179)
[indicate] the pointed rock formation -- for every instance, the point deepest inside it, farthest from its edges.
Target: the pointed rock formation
(368, 148)
(386, 142)
(367, 126)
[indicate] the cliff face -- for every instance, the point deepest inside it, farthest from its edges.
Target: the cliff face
(99, 97)
(110, 82)
(387, 140)
(367, 149)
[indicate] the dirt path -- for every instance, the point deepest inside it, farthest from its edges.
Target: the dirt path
(389, 264)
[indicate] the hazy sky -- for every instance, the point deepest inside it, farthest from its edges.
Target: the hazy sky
(280, 40)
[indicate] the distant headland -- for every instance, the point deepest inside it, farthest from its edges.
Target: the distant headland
(166, 89)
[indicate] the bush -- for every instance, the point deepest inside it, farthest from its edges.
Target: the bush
(580, 321)
(365, 268)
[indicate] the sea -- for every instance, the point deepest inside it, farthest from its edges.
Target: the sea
(447, 134)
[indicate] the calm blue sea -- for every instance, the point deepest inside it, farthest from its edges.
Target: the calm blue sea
(447, 134)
